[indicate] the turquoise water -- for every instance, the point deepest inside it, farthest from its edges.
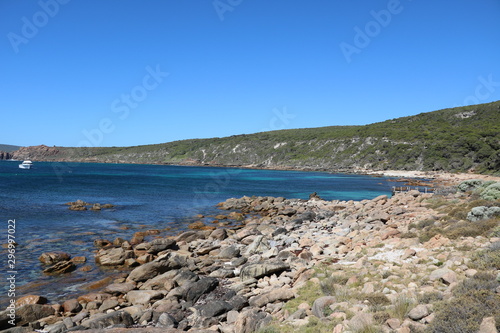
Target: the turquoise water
(146, 197)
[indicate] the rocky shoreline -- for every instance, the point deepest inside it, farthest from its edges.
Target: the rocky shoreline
(361, 262)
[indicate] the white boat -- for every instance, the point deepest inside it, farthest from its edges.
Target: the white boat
(26, 165)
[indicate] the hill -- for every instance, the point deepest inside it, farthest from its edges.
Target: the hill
(455, 139)
(8, 148)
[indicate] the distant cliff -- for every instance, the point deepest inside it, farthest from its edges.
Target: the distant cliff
(457, 139)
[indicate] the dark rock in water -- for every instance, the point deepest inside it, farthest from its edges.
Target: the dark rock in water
(314, 196)
(115, 318)
(161, 244)
(61, 268)
(214, 308)
(258, 270)
(50, 258)
(102, 243)
(194, 290)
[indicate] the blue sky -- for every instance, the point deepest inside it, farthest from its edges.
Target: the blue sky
(129, 72)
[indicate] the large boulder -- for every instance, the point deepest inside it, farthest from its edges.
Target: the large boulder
(251, 320)
(160, 244)
(60, 268)
(263, 268)
(112, 257)
(100, 321)
(50, 258)
(194, 290)
(271, 297)
(158, 266)
(32, 312)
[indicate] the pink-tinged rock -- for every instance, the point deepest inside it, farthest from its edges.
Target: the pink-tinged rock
(72, 306)
(419, 312)
(488, 325)
(393, 323)
(30, 299)
(408, 253)
(444, 274)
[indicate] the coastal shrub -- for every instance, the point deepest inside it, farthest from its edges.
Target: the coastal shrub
(469, 185)
(377, 299)
(487, 259)
(492, 192)
(430, 297)
(470, 229)
(474, 299)
(402, 305)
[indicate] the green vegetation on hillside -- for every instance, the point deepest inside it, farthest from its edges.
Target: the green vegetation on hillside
(457, 139)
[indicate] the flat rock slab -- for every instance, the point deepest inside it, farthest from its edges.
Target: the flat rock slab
(262, 269)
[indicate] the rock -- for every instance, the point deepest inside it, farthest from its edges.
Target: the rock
(102, 243)
(219, 234)
(151, 269)
(59, 327)
(229, 252)
(161, 244)
(32, 312)
(30, 299)
(112, 257)
(190, 236)
(79, 260)
(60, 268)
(50, 258)
(194, 290)
(488, 325)
(393, 323)
(444, 274)
(214, 308)
(258, 270)
(144, 297)
(117, 289)
(72, 306)
(196, 225)
(378, 215)
(251, 321)
(419, 312)
(102, 321)
(167, 321)
(108, 304)
(280, 294)
(320, 304)
(259, 245)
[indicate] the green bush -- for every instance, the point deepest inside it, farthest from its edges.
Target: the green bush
(492, 192)
(474, 299)
(469, 185)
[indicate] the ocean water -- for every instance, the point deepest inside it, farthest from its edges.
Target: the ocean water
(145, 197)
